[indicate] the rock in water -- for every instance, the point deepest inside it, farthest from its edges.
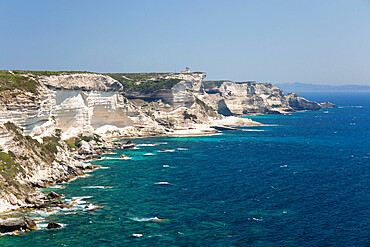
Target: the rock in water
(327, 104)
(300, 104)
(30, 223)
(53, 225)
(17, 224)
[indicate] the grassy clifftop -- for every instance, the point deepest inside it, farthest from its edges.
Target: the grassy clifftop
(12, 81)
(26, 80)
(144, 82)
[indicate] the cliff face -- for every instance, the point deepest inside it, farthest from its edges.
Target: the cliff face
(252, 97)
(92, 102)
(26, 163)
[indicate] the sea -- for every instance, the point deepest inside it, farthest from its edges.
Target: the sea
(300, 180)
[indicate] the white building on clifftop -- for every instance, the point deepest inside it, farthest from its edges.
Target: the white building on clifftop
(186, 70)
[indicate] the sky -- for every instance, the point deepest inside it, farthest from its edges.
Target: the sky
(277, 41)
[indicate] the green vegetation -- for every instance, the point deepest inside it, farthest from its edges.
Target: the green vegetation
(203, 105)
(80, 138)
(9, 81)
(144, 82)
(50, 145)
(131, 82)
(9, 167)
(11, 163)
(47, 73)
(71, 145)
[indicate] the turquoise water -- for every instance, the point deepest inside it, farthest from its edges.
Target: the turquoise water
(303, 181)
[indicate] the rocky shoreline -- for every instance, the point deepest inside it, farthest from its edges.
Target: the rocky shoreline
(88, 150)
(55, 122)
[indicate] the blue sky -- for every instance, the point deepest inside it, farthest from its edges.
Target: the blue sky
(311, 41)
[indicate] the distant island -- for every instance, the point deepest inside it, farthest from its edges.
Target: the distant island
(309, 87)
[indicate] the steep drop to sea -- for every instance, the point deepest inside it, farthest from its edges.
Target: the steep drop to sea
(302, 181)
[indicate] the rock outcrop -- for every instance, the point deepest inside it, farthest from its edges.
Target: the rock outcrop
(26, 163)
(17, 224)
(53, 225)
(328, 105)
(300, 104)
(245, 98)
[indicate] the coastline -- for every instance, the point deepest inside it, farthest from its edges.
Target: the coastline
(116, 143)
(48, 133)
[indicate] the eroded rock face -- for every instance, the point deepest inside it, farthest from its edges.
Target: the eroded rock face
(181, 94)
(26, 164)
(251, 97)
(82, 81)
(299, 104)
(328, 105)
(86, 102)
(17, 224)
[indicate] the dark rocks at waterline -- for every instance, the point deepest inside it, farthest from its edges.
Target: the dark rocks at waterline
(86, 166)
(127, 146)
(53, 225)
(38, 184)
(54, 195)
(17, 224)
(36, 199)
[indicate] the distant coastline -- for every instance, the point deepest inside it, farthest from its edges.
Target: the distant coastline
(299, 87)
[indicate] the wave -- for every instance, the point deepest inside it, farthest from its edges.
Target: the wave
(147, 145)
(93, 187)
(149, 154)
(167, 150)
(113, 158)
(44, 225)
(163, 183)
(57, 186)
(353, 106)
(182, 149)
(143, 219)
(154, 219)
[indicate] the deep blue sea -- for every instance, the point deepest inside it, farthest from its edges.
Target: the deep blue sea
(301, 181)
